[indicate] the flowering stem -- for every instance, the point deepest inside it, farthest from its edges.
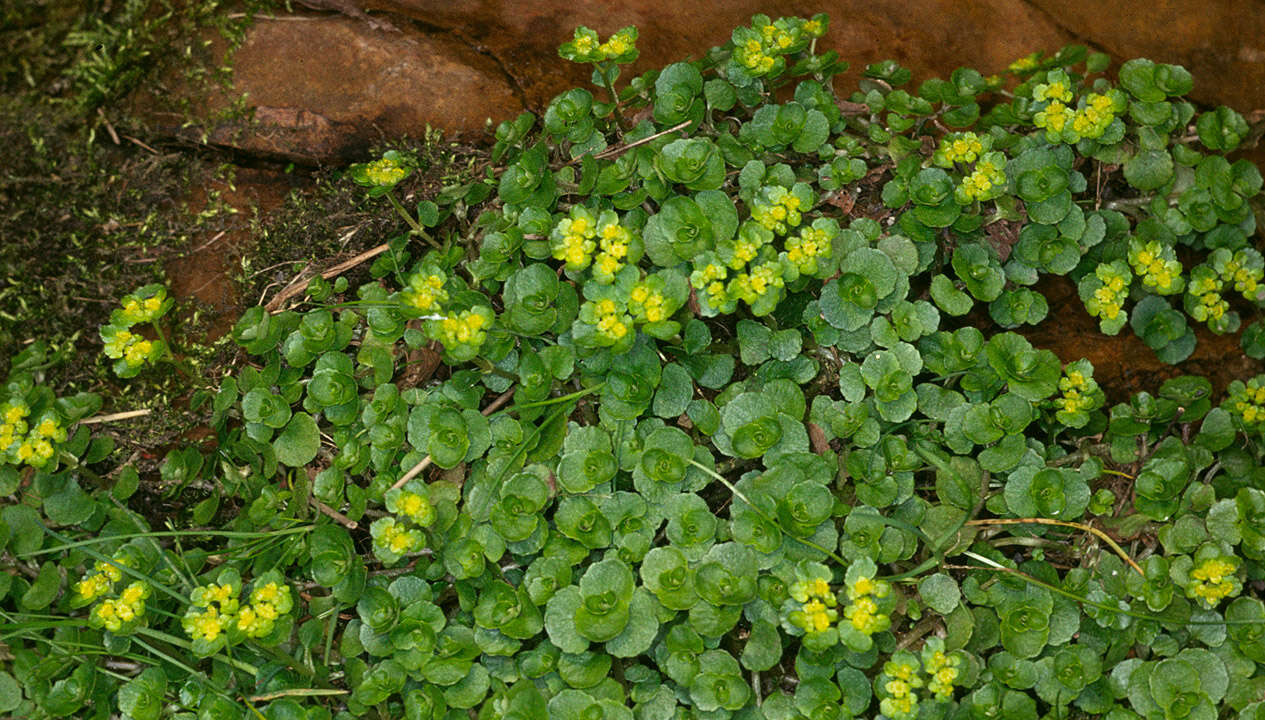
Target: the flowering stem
(603, 69)
(412, 221)
(181, 366)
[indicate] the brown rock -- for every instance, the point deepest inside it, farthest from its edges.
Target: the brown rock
(323, 87)
(1221, 42)
(931, 37)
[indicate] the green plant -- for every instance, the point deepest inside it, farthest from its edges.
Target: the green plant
(694, 442)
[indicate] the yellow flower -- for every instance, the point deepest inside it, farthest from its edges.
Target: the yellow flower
(398, 539)
(134, 594)
(270, 593)
(415, 507)
(206, 625)
(614, 47)
(1052, 91)
(862, 587)
(118, 344)
(110, 570)
(1213, 593)
(221, 594)
(820, 588)
(92, 587)
(942, 682)
(425, 292)
(1054, 117)
(13, 414)
(862, 613)
(266, 610)
(384, 172)
(48, 428)
(897, 688)
(606, 264)
(1024, 64)
(107, 614)
(1214, 570)
(138, 352)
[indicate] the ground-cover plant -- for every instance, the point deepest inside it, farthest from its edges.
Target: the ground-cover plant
(688, 426)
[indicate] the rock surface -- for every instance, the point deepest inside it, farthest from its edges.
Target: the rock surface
(324, 85)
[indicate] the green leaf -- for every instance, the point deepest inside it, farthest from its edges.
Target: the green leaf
(299, 442)
(1149, 169)
(141, 698)
(676, 389)
(940, 592)
(71, 506)
(43, 591)
(10, 692)
(763, 649)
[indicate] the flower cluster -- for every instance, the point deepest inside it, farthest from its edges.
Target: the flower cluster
(425, 292)
(759, 49)
(586, 47)
(572, 239)
(218, 604)
(708, 280)
(1157, 265)
(961, 147)
(778, 209)
(985, 182)
(1056, 88)
(1104, 293)
(1246, 401)
(1096, 113)
(760, 287)
(385, 172)
(816, 611)
(147, 304)
(268, 602)
(218, 616)
(942, 669)
(807, 251)
(647, 303)
(462, 333)
(863, 612)
(1214, 577)
(131, 350)
(1025, 64)
(1080, 394)
(896, 685)
(1242, 269)
(1052, 96)
(401, 534)
(611, 320)
(1204, 301)
(119, 613)
(24, 441)
(582, 239)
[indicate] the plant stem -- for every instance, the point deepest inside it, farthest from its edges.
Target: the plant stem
(185, 645)
(1063, 523)
(604, 70)
(181, 366)
(412, 221)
